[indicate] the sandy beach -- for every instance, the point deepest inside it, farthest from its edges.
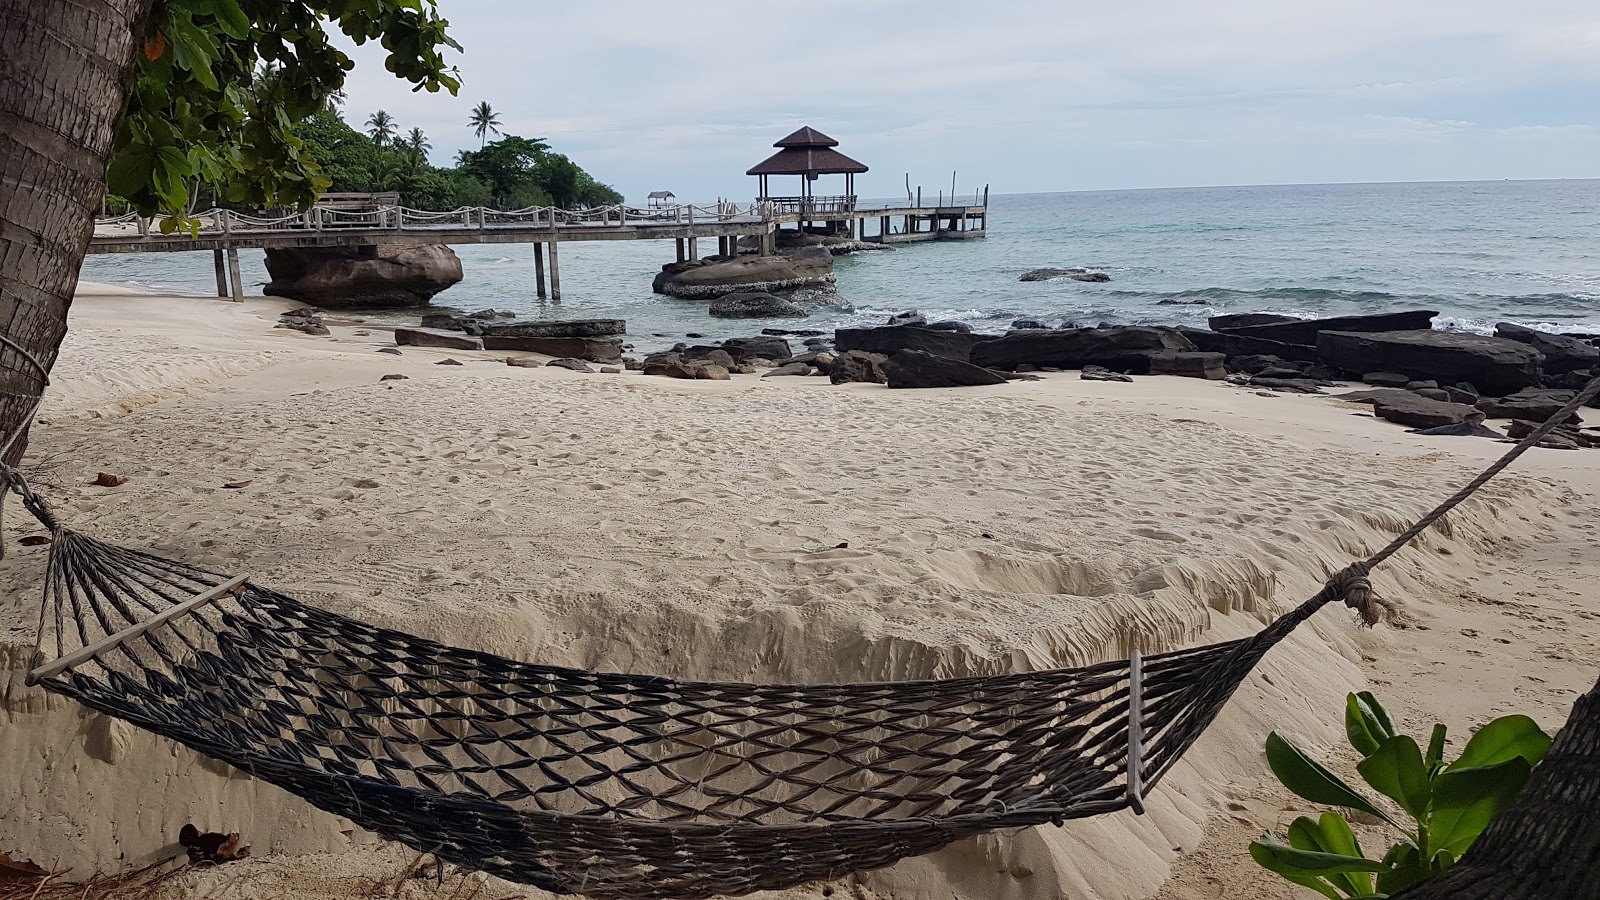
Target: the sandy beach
(778, 529)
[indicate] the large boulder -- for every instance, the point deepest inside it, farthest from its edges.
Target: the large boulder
(1562, 353)
(1414, 411)
(549, 328)
(1120, 347)
(419, 337)
(1305, 331)
(1495, 365)
(1231, 321)
(1073, 273)
(858, 365)
(1532, 405)
(916, 369)
(762, 347)
(891, 339)
(1209, 366)
(1232, 344)
(382, 276)
(699, 279)
(755, 305)
(601, 350)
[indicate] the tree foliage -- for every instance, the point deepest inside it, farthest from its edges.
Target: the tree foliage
(1448, 804)
(197, 113)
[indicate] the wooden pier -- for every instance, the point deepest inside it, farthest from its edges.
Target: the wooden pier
(345, 221)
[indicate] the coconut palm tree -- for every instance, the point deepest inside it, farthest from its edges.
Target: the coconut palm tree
(417, 142)
(381, 127)
(484, 120)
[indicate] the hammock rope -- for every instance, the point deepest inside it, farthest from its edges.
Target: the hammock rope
(617, 785)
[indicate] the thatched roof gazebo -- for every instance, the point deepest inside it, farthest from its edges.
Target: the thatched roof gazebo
(809, 153)
(660, 198)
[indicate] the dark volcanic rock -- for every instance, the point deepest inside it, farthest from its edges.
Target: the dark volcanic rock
(1101, 373)
(1029, 325)
(1496, 365)
(444, 321)
(962, 327)
(858, 365)
(916, 369)
(368, 277)
(1562, 353)
(795, 368)
(1465, 429)
(799, 267)
(1123, 348)
(1305, 331)
(1245, 320)
(1386, 379)
(1406, 408)
(1074, 273)
(891, 339)
(416, 337)
(602, 350)
(754, 305)
(1286, 385)
(1188, 364)
(576, 365)
(1232, 344)
(550, 328)
(742, 349)
(1532, 405)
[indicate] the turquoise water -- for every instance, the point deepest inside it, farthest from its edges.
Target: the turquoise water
(1480, 252)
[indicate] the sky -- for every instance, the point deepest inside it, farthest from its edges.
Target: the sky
(685, 95)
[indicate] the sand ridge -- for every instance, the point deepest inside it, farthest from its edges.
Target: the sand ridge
(777, 530)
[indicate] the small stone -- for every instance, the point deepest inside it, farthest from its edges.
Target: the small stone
(449, 362)
(576, 365)
(712, 373)
(610, 370)
(395, 378)
(392, 350)
(524, 363)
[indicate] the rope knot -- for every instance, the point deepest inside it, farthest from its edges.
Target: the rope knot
(1351, 585)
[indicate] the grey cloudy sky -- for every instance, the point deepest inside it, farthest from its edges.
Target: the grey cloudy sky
(1028, 96)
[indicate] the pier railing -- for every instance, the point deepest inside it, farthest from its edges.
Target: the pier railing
(222, 222)
(812, 206)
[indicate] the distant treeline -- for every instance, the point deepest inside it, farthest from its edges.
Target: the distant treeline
(510, 173)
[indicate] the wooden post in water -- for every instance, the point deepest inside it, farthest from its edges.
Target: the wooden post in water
(233, 273)
(222, 272)
(679, 242)
(694, 252)
(538, 267)
(555, 273)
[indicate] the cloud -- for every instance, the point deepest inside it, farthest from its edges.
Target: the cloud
(1028, 95)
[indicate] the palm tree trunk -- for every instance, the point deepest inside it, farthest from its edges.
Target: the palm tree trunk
(63, 87)
(1546, 845)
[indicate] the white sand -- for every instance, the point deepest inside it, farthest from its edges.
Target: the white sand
(692, 528)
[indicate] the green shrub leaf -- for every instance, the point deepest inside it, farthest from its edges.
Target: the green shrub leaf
(1506, 738)
(1309, 779)
(1435, 755)
(1332, 834)
(1397, 771)
(1464, 800)
(1358, 727)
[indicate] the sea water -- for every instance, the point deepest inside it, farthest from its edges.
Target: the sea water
(1478, 252)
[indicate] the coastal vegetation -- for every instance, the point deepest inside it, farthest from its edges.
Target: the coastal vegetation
(1448, 804)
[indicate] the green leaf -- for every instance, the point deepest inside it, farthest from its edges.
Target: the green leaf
(1356, 728)
(1332, 834)
(1287, 860)
(1404, 868)
(1506, 738)
(1435, 755)
(1309, 779)
(1366, 723)
(1465, 800)
(1397, 771)
(1264, 857)
(231, 19)
(130, 171)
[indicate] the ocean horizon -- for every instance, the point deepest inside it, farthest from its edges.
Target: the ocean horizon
(1479, 252)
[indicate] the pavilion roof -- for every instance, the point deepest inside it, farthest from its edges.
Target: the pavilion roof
(807, 137)
(807, 152)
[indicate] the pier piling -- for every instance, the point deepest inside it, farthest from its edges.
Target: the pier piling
(222, 273)
(233, 273)
(538, 267)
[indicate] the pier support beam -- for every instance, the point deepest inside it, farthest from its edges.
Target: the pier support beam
(555, 273)
(694, 251)
(538, 267)
(222, 272)
(233, 274)
(679, 242)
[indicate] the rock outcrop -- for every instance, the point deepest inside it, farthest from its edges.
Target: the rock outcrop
(916, 369)
(708, 278)
(1074, 273)
(1305, 331)
(1120, 348)
(418, 337)
(383, 276)
(1562, 353)
(891, 339)
(601, 350)
(570, 328)
(1244, 320)
(1495, 365)
(1413, 411)
(755, 305)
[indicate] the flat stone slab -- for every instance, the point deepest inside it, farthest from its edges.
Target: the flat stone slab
(554, 328)
(421, 337)
(592, 349)
(1495, 365)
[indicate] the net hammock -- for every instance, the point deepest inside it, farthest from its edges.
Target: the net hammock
(615, 785)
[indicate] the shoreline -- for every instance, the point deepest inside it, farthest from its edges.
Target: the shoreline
(634, 523)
